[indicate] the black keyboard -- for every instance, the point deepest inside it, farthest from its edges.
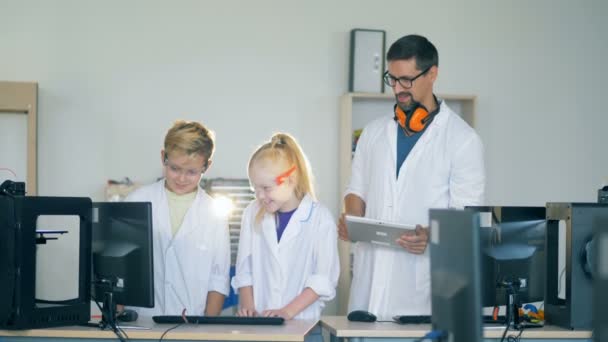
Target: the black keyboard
(219, 320)
(406, 319)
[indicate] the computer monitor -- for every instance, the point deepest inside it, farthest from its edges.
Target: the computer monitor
(123, 271)
(455, 274)
(513, 255)
(600, 281)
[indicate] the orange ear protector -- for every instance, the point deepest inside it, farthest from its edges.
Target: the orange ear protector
(417, 119)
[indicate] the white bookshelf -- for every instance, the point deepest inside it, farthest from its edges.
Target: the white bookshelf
(356, 110)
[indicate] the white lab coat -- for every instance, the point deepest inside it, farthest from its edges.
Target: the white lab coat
(444, 169)
(195, 261)
(306, 256)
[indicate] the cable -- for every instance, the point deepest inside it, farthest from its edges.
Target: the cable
(118, 328)
(184, 317)
(9, 170)
(121, 334)
(166, 331)
(504, 333)
(512, 338)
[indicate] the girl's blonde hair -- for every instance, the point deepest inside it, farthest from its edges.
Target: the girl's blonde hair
(190, 137)
(282, 147)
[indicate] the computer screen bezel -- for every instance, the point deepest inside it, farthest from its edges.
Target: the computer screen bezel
(600, 281)
(455, 252)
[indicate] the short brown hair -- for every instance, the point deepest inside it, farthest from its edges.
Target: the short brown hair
(190, 137)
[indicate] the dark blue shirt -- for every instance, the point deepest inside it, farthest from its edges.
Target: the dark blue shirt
(405, 145)
(282, 221)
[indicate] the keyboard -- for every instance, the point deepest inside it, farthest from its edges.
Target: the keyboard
(405, 319)
(170, 319)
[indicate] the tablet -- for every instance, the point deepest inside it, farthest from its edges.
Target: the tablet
(377, 232)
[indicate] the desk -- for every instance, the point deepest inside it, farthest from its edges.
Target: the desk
(340, 329)
(294, 330)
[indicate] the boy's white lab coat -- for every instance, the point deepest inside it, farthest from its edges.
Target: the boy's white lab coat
(444, 169)
(306, 256)
(195, 261)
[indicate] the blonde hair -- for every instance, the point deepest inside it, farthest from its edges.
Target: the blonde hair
(284, 147)
(190, 137)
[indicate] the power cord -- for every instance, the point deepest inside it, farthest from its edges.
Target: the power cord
(517, 338)
(512, 338)
(9, 170)
(184, 317)
(504, 333)
(166, 331)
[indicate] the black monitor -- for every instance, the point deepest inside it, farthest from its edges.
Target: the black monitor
(600, 280)
(513, 256)
(123, 271)
(455, 274)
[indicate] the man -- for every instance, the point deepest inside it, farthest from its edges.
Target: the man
(421, 156)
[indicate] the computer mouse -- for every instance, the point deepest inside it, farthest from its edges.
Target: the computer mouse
(361, 316)
(127, 316)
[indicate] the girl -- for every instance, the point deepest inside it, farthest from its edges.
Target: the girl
(191, 244)
(287, 263)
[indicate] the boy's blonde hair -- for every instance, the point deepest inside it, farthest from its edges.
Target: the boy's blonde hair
(189, 138)
(284, 147)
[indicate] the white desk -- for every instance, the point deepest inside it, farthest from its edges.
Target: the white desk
(341, 329)
(294, 330)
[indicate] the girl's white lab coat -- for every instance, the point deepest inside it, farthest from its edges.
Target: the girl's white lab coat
(306, 256)
(195, 261)
(444, 169)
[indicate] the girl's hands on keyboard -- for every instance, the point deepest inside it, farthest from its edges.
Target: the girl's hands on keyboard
(277, 313)
(247, 312)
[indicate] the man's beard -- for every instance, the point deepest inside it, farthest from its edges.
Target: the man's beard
(406, 107)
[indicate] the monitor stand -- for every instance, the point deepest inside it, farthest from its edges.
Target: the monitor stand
(512, 318)
(105, 287)
(108, 312)
(109, 318)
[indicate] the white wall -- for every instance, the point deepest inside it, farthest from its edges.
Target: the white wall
(113, 75)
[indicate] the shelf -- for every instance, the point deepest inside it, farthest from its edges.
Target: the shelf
(22, 98)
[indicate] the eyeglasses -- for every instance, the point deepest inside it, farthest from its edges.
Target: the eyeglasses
(278, 181)
(265, 189)
(178, 171)
(405, 82)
